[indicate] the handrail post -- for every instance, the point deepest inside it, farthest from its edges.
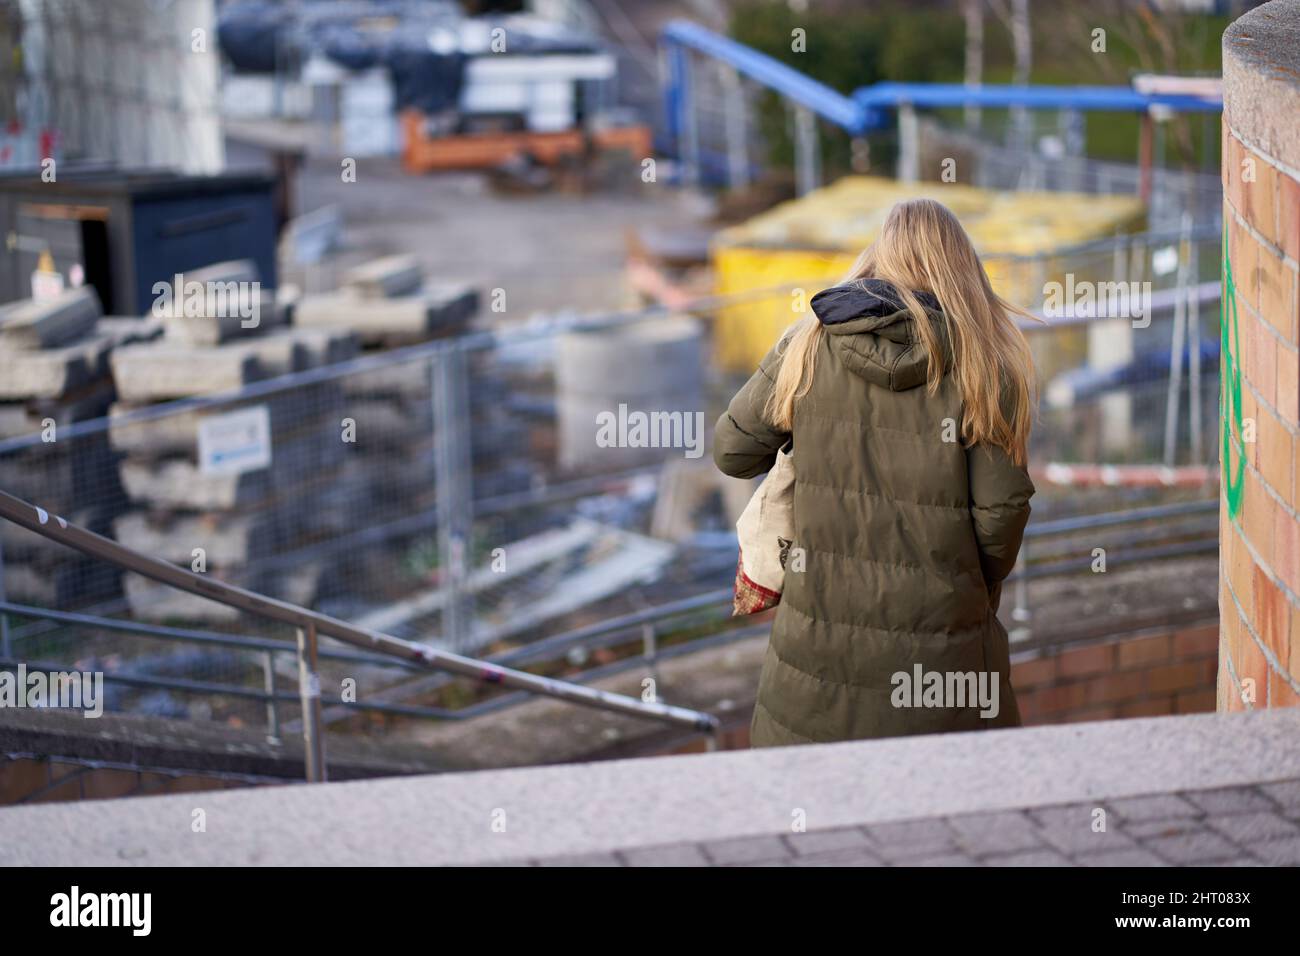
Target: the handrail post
(313, 744)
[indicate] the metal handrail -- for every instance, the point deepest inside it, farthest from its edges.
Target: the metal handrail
(606, 632)
(311, 623)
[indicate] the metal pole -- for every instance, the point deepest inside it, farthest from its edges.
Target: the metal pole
(272, 710)
(974, 71)
(1176, 349)
(313, 743)
(1175, 381)
(1194, 352)
(454, 500)
(736, 118)
(1159, 189)
(807, 159)
(909, 154)
(670, 70)
(688, 124)
(1144, 158)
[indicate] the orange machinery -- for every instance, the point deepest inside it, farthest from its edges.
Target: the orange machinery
(423, 153)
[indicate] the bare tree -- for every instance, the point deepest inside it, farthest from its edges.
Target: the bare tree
(1015, 17)
(973, 12)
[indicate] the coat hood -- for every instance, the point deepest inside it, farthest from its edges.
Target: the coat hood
(876, 336)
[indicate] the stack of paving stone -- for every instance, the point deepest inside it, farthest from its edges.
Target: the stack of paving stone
(255, 527)
(54, 373)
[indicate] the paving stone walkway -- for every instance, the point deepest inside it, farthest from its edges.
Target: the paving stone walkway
(1233, 826)
(1221, 789)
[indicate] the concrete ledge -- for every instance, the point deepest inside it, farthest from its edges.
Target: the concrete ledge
(595, 808)
(1261, 78)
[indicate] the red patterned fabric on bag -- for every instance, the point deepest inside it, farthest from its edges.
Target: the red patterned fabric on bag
(750, 598)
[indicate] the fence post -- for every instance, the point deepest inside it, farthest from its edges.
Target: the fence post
(807, 151)
(688, 152)
(272, 708)
(453, 463)
(313, 743)
(1194, 348)
(1174, 395)
(736, 120)
(909, 146)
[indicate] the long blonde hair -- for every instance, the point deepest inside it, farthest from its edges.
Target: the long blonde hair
(923, 248)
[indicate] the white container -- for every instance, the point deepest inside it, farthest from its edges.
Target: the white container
(648, 367)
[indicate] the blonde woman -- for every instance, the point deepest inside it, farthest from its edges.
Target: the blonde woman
(907, 396)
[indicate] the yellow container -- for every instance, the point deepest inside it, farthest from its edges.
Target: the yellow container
(778, 259)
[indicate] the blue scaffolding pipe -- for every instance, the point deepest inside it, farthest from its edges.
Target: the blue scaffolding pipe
(875, 100)
(797, 87)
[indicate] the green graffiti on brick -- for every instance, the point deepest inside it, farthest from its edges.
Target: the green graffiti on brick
(1229, 352)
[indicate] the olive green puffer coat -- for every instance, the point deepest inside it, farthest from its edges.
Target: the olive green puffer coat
(903, 535)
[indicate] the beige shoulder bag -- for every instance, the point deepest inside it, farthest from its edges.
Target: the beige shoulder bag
(766, 531)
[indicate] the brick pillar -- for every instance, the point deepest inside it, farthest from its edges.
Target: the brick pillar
(1259, 589)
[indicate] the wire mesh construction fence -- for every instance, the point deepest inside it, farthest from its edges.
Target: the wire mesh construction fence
(481, 494)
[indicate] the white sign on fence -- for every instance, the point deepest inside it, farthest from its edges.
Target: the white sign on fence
(235, 442)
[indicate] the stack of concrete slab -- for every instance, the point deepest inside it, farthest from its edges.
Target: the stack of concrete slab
(238, 523)
(54, 373)
(388, 302)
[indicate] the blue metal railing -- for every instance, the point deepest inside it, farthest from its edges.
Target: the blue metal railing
(681, 35)
(867, 108)
(875, 100)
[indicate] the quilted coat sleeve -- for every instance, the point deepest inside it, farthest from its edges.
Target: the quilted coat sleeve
(999, 492)
(744, 444)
